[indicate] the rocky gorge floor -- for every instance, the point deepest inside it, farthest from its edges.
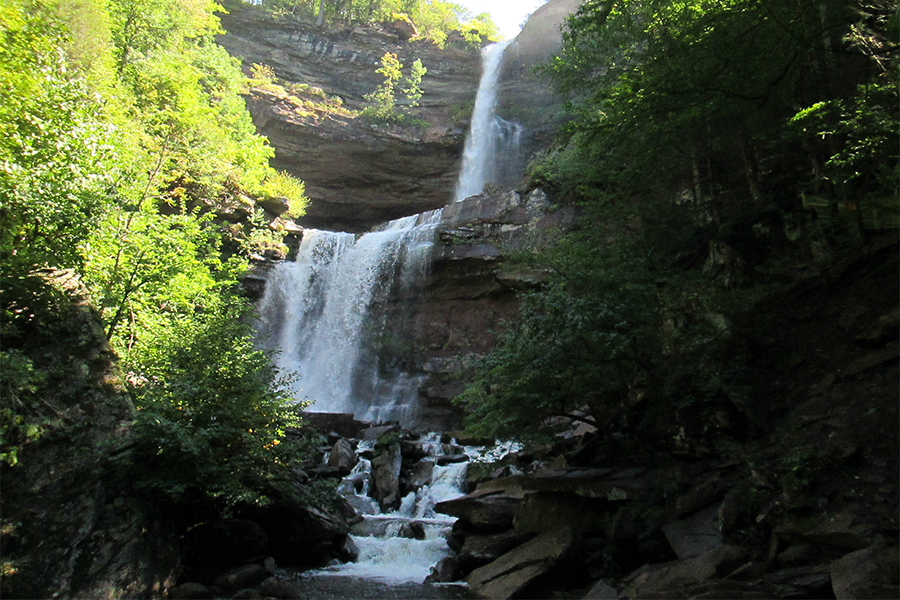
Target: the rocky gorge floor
(807, 509)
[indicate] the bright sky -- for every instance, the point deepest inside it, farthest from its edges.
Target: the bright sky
(507, 14)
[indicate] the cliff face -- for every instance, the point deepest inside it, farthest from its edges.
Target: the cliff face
(526, 97)
(71, 528)
(357, 174)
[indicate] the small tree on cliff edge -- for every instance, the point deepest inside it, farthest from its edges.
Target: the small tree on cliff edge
(382, 103)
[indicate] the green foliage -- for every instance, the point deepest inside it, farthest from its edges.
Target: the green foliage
(381, 104)
(143, 265)
(212, 413)
(122, 129)
(19, 424)
(53, 143)
(284, 185)
(689, 95)
(689, 161)
(433, 18)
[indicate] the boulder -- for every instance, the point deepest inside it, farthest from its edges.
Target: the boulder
(363, 504)
(413, 449)
(696, 534)
(483, 513)
(881, 330)
(376, 431)
(412, 530)
(224, 543)
(277, 205)
(602, 591)
(402, 27)
(422, 474)
(867, 573)
(300, 535)
(190, 591)
(241, 577)
(445, 571)
(701, 496)
(450, 459)
(479, 549)
(842, 530)
(345, 424)
(275, 587)
(386, 477)
(658, 581)
(542, 511)
(343, 456)
(807, 581)
(347, 550)
(511, 574)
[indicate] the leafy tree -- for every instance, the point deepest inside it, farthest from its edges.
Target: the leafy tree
(53, 143)
(433, 18)
(382, 102)
(688, 157)
(123, 129)
(212, 413)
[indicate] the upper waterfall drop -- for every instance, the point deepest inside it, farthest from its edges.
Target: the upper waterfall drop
(493, 145)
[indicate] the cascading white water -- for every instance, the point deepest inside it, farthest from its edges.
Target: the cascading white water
(493, 145)
(385, 554)
(316, 312)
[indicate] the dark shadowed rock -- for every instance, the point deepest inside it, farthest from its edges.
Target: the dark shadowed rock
(479, 549)
(345, 424)
(842, 529)
(300, 535)
(511, 574)
(386, 477)
(241, 577)
(659, 581)
(224, 543)
(81, 532)
(445, 571)
(601, 591)
(487, 513)
(542, 511)
(867, 573)
(348, 551)
(343, 456)
(190, 591)
(696, 534)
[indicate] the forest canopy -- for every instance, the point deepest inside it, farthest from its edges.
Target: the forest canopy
(123, 134)
(720, 151)
(433, 19)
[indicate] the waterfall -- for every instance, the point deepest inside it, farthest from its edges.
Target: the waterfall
(492, 154)
(340, 316)
(318, 312)
(325, 313)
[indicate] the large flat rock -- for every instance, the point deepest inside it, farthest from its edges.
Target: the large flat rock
(512, 573)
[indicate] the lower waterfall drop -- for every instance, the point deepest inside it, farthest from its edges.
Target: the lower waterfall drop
(317, 312)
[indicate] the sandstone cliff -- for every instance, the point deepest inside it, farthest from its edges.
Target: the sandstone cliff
(357, 174)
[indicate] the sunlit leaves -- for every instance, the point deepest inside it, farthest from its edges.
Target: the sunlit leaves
(53, 143)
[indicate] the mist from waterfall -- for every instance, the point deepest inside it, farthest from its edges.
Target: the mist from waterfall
(493, 150)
